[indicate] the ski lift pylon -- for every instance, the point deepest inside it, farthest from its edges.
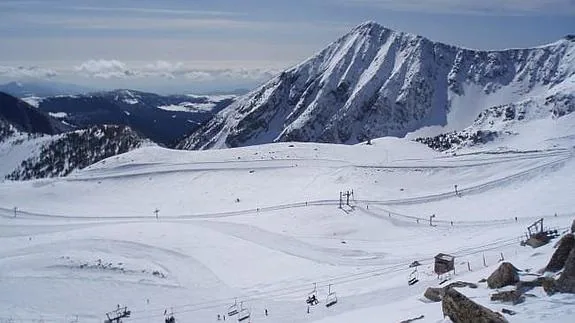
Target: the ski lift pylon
(233, 309)
(331, 298)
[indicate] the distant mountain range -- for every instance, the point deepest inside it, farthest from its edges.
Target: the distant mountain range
(55, 135)
(35, 145)
(372, 82)
(41, 89)
(375, 82)
(25, 118)
(163, 119)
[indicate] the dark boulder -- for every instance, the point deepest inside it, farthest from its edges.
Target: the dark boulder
(525, 286)
(435, 294)
(566, 282)
(505, 275)
(514, 297)
(461, 309)
(565, 245)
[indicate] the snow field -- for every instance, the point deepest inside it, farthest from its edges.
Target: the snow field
(82, 244)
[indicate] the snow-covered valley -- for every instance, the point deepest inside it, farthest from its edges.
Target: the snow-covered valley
(262, 224)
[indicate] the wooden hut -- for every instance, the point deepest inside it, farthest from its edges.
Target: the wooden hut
(444, 263)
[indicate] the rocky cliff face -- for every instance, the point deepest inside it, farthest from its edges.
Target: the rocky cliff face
(376, 82)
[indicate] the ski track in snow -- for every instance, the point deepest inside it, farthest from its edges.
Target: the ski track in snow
(269, 256)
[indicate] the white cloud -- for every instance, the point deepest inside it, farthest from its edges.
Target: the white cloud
(200, 75)
(107, 69)
(507, 7)
(18, 72)
(104, 69)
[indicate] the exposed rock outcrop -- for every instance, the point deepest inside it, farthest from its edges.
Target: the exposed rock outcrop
(513, 296)
(375, 82)
(435, 294)
(565, 245)
(505, 275)
(461, 309)
(566, 282)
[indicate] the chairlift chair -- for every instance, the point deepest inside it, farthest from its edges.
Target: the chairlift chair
(169, 317)
(413, 278)
(233, 309)
(243, 314)
(312, 297)
(331, 298)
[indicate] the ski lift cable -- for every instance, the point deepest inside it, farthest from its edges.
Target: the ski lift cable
(301, 287)
(283, 292)
(295, 288)
(279, 292)
(343, 279)
(290, 290)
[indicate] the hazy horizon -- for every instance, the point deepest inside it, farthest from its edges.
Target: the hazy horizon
(175, 46)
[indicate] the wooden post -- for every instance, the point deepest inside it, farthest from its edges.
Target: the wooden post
(340, 199)
(15, 211)
(484, 262)
(468, 266)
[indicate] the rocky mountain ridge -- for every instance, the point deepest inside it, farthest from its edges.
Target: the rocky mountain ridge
(376, 82)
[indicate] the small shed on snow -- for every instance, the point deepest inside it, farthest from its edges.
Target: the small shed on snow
(444, 263)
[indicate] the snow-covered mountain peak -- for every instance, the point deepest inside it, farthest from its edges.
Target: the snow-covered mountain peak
(375, 82)
(368, 26)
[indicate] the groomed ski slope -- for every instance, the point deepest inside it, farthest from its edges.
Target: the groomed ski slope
(262, 224)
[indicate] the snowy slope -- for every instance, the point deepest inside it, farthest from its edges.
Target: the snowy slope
(261, 224)
(26, 156)
(376, 82)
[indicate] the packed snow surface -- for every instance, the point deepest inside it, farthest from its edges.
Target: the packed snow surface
(262, 224)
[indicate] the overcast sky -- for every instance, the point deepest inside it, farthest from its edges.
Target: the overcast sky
(210, 45)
